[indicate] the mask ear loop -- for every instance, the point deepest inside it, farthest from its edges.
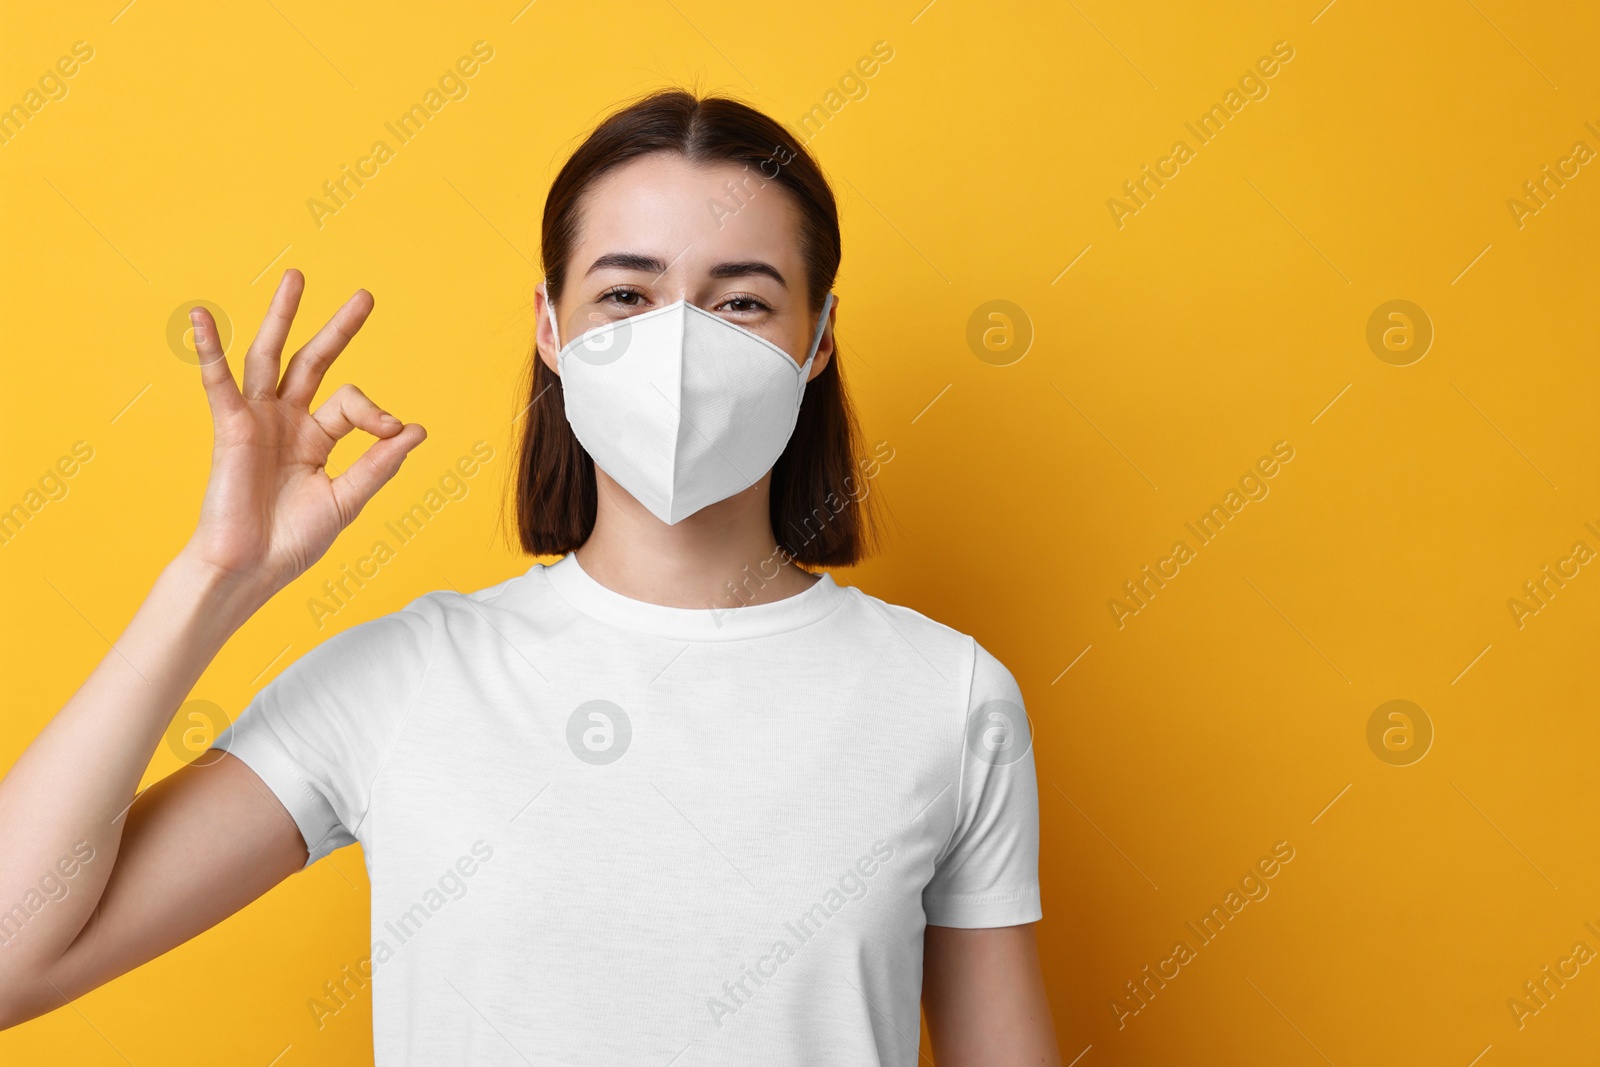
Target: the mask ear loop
(822, 323)
(550, 312)
(816, 339)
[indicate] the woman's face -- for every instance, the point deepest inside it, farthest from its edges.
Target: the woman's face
(661, 228)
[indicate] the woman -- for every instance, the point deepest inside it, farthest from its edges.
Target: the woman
(672, 799)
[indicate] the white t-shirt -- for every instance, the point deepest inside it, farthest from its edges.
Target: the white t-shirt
(604, 831)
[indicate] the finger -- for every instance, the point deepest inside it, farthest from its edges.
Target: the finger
(304, 374)
(349, 409)
(369, 473)
(261, 362)
(221, 392)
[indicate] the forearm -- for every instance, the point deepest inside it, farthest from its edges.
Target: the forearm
(65, 798)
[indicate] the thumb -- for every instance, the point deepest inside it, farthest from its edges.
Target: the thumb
(372, 471)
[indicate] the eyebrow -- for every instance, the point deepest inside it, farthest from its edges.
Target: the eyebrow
(653, 264)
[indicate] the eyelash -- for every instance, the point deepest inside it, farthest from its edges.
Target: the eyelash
(742, 298)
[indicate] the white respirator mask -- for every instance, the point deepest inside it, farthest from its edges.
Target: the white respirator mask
(681, 407)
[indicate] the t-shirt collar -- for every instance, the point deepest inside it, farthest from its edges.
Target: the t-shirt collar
(728, 623)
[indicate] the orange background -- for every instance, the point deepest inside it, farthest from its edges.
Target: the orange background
(1230, 312)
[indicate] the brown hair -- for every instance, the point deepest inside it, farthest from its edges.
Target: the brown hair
(819, 508)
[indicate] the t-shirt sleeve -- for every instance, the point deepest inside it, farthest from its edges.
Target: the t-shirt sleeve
(319, 732)
(988, 874)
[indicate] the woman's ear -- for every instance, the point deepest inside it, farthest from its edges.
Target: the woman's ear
(544, 334)
(819, 362)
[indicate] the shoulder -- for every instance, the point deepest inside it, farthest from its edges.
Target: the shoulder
(909, 622)
(516, 593)
(414, 629)
(457, 600)
(982, 675)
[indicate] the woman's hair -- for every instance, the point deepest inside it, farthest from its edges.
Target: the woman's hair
(819, 504)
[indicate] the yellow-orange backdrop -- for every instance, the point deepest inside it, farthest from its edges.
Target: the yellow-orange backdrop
(1174, 333)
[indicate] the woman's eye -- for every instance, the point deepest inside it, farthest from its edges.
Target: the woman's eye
(623, 297)
(744, 304)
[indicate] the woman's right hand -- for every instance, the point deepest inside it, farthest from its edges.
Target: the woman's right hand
(270, 512)
(270, 509)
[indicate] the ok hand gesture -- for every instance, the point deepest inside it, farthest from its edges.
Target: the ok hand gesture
(270, 509)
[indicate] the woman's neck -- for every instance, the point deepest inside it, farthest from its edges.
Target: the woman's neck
(723, 556)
